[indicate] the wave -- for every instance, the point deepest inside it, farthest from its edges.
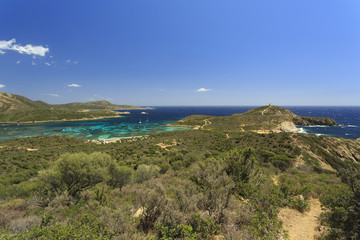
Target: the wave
(318, 126)
(302, 130)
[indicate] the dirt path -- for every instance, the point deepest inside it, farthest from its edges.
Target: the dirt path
(302, 226)
(164, 146)
(206, 122)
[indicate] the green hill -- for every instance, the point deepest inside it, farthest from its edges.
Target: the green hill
(102, 104)
(17, 108)
(264, 119)
(11, 102)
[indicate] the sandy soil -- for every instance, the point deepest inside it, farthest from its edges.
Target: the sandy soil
(302, 226)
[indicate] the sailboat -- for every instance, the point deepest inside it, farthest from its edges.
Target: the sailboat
(140, 121)
(147, 120)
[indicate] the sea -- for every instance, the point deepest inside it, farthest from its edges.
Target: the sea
(140, 123)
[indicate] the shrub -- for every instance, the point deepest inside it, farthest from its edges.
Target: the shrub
(119, 176)
(152, 201)
(146, 172)
(240, 166)
(281, 161)
(75, 173)
(89, 227)
(179, 232)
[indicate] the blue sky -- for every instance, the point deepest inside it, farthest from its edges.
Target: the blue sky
(182, 52)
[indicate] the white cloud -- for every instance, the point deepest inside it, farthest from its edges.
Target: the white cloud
(33, 63)
(18, 62)
(52, 94)
(27, 49)
(74, 85)
(46, 63)
(2, 85)
(72, 61)
(203, 90)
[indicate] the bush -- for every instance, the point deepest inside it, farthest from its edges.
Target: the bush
(74, 173)
(146, 172)
(119, 176)
(240, 166)
(89, 227)
(152, 201)
(179, 232)
(281, 161)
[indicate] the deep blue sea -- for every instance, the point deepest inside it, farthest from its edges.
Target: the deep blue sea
(155, 121)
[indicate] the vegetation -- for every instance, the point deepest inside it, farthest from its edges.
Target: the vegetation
(16, 108)
(261, 119)
(53, 115)
(205, 183)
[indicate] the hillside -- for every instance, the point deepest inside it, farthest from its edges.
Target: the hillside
(11, 102)
(264, 119)
(213, 184)
(17, 108)
(102, 104)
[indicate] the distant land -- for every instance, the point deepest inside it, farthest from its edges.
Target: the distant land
(17, 108)
(266, 119)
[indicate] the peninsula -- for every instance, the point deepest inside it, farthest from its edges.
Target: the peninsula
(266, 119)
(17, 108)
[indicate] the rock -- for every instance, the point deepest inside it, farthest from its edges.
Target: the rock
(288, 127)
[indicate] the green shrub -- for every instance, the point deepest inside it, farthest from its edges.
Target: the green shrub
(119, 176)
(204, 227)
(74, 173)
(145, 172)
(179, 232)
(89, 227)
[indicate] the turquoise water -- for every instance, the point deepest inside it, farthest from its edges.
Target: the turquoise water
(156, 120)
(135, 124)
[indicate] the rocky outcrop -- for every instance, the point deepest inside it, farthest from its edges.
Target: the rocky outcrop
(309, 121)
(288, 127)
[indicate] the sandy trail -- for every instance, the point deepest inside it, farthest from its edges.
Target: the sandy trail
(302, 226)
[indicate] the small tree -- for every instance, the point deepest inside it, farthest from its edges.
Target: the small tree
(74, 173)
(119, 176)
(146, 172)
(240, 166)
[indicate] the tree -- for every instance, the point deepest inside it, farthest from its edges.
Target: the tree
(75, 173)
(119, 176)
(240, 166)
(146, 172)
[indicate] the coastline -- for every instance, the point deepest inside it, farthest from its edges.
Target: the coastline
(63, 120)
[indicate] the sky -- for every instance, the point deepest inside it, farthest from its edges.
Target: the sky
(182, 52)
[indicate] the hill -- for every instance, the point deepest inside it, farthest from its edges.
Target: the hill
(17, 108)
(102, 104)
(11, 102)
(264, 119)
